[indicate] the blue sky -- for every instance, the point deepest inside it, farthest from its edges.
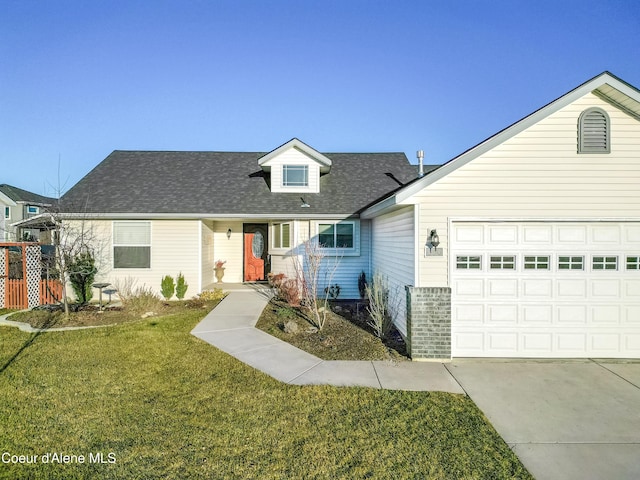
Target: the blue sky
(79, 79)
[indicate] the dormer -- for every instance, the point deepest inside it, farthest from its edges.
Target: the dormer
(295, 167)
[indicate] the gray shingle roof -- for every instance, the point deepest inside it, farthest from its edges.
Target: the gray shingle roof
(19, 195)
(229, 183)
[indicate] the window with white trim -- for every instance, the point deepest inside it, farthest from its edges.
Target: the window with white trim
(502, 262)
(282, 235)
(633, 262)
(7, 212)
(570, 262)
(536, 262)
(604, 263)
(468, 262)
(295, 175)
(593, 131)
(336, 234)
(131, 244)
(33, 210)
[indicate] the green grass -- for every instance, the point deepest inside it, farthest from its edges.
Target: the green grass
(168, 405)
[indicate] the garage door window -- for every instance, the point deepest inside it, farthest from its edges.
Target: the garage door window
(570, 263)
(465, 262)
(605, 263)
(503, 262)
(536, 262)
(633, 263)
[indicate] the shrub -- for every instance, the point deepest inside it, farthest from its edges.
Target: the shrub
(285, 289)
(181, 286)
(362, 284)
(214, 295)
(167, 287)
(143, 300)
(82, 271)
(378, 294)
(333, 291)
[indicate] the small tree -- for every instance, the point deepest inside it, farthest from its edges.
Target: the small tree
(313, 272)
(181, 286)
(167, 287)
(82, 271)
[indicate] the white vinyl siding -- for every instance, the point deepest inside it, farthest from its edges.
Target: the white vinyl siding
(393, 256)
(536, 174)
(207, 255)
(294, 158)
(175, 247)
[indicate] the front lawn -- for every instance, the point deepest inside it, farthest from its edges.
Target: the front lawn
(157, 402)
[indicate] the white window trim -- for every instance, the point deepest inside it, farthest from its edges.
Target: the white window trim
(635, 263)
(468, 262)
(7, 213)
(570, 263)
(114, 245)
(537, 262)
(292, 236)
(306, 169)
(36, 210)
(604, 263)
(503, 262)
(346, 252)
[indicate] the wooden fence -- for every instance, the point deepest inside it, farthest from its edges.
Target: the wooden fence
(16, 293)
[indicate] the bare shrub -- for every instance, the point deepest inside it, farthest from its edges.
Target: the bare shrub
(137, 299)
(380, 305)
(313, 272)
(285, 289)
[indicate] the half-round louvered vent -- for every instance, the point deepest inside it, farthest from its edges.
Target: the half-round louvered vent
(593, 134)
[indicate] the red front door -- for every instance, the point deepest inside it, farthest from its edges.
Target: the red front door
(255, 253)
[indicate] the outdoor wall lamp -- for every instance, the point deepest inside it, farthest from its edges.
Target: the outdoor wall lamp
(229, 234)
(431, 248)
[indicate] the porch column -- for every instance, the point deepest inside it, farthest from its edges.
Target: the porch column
(429, 322)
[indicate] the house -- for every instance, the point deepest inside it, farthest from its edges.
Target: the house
(161, 213)
(538, 237)
(526, 245)
(17, 205)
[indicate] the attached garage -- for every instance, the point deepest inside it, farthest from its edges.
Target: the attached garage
(528, 244)
(545, 289)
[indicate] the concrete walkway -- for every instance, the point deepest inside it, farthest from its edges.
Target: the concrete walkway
(231, 328)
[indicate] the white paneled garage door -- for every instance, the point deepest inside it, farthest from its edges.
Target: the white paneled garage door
(539, 289)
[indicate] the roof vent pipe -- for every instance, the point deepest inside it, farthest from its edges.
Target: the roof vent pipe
(420, 155)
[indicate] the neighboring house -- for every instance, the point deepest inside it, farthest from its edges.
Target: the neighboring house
(539, 236)
(18, 205)
(537, 228)
(161, 213)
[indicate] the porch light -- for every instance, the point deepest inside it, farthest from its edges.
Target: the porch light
(431, 248)
(434, 238)
(229, 234)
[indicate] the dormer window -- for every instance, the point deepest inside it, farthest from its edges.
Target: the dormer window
(593, 131)
(295, 168)
(295, 175)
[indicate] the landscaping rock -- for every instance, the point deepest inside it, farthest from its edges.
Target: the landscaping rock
(148, 314)
(291, 327)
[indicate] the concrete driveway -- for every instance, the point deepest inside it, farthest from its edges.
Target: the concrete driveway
(569, 419)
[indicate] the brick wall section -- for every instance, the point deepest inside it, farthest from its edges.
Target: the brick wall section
(429, 322)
